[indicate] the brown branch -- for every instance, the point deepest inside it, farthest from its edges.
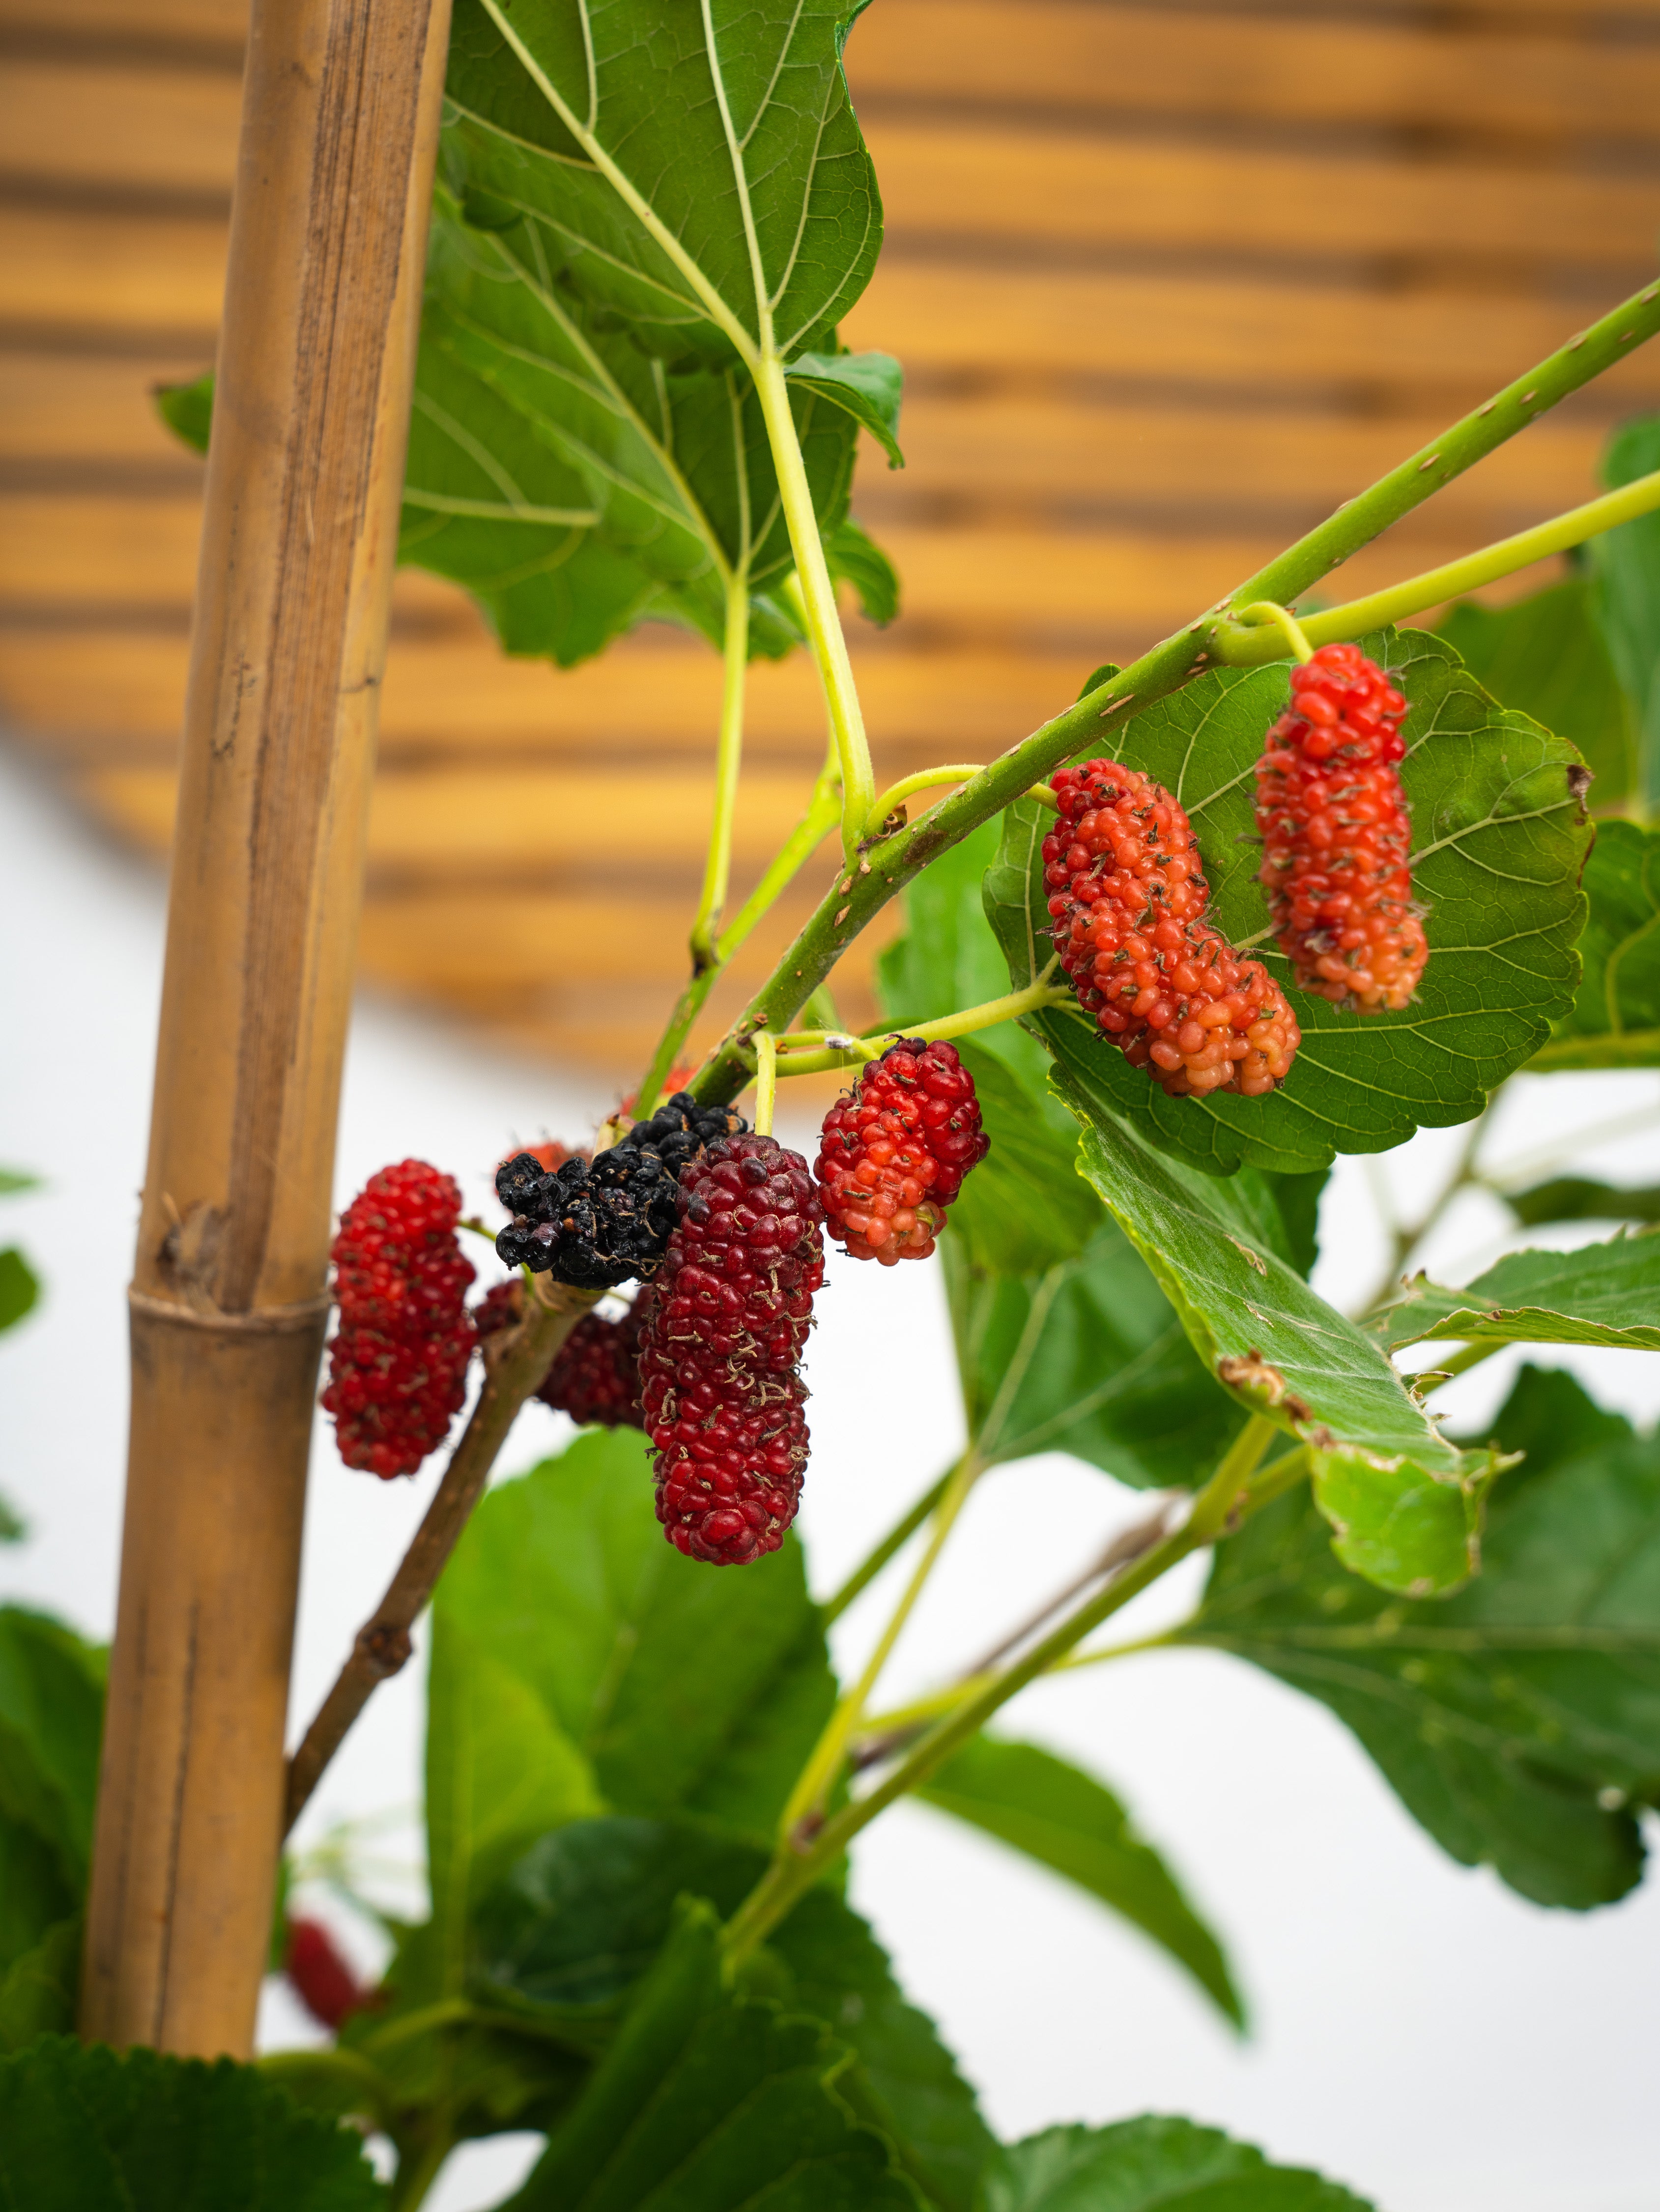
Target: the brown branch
(515, 1363)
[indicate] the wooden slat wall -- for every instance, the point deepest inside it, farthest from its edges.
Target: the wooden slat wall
(1169, 281)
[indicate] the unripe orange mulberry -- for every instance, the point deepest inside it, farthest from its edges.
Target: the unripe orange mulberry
(1337, 835)
(1128, 895)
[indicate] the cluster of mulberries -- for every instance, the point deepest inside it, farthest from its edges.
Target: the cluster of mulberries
(595, 1374)
(398, 1366)
(1128, 895)
(1338, 836)
(723, 1403)
(894, 1150)
(596, 1222)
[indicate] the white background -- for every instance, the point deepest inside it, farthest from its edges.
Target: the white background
(1419, 2031)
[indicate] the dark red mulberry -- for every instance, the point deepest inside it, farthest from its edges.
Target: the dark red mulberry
(597, 1222)
(894, 1150)
(320, 1976)
(1337, 835)
(397, 1365)
(595, 1374)
(723, 1333)
(1128, 895)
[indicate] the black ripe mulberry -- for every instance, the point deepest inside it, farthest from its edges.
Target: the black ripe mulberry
(894, 1150)
(1128, 895)
(724, 1333)
(598, 1223)
(1337, 836)
(397, 1365)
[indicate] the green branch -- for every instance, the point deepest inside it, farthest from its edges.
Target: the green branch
(894, 862)
(1242, 644)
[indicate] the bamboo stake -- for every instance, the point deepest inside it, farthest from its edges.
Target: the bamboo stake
(323, 297)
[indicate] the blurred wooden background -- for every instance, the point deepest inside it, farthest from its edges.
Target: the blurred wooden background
(1169, 281)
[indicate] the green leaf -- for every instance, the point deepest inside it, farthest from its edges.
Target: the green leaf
(38, 1988)
(685, 1688)
(1626, 563)
(1297, 1200)
(1600, 1294)
(1615, 1018)
(1400, 1526)
(1073, 1825)
(869, 386)
(20, 1287)
(51, 1717)
(12, 1182)
(13, 1527)
(36, 1890)
(1519, 1721)
(1546, 656)
(740, 2104)
(1500, 837)
(583, 1915)
(187, 409)
(1580, 1198)
(81, 2128)
(1153, 2165)
(697, 174)
(856, 559)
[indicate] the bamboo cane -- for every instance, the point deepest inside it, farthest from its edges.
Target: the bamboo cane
(339, 131)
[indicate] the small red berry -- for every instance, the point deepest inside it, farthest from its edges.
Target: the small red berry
(729, 1311)
(320, 1977)
(397, 1365)
(1338, 836)
(1128, 895)
(894, 1150)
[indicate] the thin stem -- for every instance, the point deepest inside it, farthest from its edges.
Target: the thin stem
(1405, 1237)
(1267, 611)
(1009, 1008)
(813, 1784)
(896, 1539)
(818, 602)
(767, 1082)
(1242, 647)
(901, 1721)
(1229, 1496)
(515, 1363)
(415, 2174)
(717, 868)
(925, 779)
(1126, 1546)
(897, 860)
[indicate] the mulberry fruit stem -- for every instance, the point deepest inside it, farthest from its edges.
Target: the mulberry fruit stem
(824, 1763)
(897, 860)
(1266, 611)
(1228, 1499)
(930, 779)
(767, 1082)
(728, 756)
(515, 1363)
(1246, 643)
(825, 1051)
(818, 600)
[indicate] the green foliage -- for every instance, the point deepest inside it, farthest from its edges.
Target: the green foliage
(1493, 800)
(1625, 562)
(1600, 1294)
(51, 1711)
(82, 2131)
(585, 1914)
(744, 2101)
(635, 145)
(1614, 1021)
(1546, 656)
(20, 1287)
(1519, 1721)
(683, 1690)
(1153, 2165)
(856, 559)
(1581, 1197)
(187, 409)
(1073, 1825)
(869, 386)
(40, 1986)
(12, 1180)
(13, 1527)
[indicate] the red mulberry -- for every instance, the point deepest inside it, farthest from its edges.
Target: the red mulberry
(729, 1315)
(597, 1222)
(1338, 836)
(1128, 895)
(595, 1374)
(895, 1150)
(397, 1365)
(320, 1976)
